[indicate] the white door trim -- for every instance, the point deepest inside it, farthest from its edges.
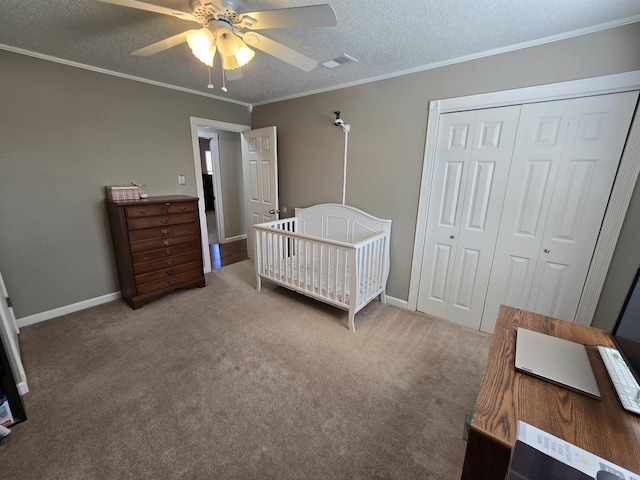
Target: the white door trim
(197, 164)
(217, 187)
(620, 195)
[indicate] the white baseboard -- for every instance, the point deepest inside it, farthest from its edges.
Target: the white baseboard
(110, 297)
(233, 239)
(396, 302)
(23, 388)
(74, 307)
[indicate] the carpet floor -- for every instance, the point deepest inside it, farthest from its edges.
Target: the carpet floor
(227, 382)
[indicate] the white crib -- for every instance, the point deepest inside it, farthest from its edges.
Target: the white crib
(334, 253)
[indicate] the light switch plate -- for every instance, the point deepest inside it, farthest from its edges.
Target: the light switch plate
(182, 180)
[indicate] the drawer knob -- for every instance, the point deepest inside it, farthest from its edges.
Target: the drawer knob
(171, 271)
(164, 221)
(166, 241)
(165, 231)
(168, 251)
(169, 262)
(143, 212)
(182, 209)
(171, 281)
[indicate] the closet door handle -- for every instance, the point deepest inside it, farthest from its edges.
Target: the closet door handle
(452, 236)
(546, 250)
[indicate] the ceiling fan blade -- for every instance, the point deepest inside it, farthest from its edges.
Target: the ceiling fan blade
(152, 8)
(310, 16)
(278, 50)
(162, 44)
(231, 75)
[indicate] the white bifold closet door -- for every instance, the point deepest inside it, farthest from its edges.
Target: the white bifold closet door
(517, 199)
(474, 153)
(567, 156)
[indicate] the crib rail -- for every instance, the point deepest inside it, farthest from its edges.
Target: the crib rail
(372, 260)
(315, 267)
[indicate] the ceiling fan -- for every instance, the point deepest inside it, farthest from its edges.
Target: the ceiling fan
(226, 29)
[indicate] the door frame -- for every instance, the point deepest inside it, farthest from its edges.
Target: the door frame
(218, 200)
(623, 186)
(217, 184)
(196, 122)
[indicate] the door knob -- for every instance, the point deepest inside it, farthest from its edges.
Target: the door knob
(274, 212)
(546, 250)
(451, 236)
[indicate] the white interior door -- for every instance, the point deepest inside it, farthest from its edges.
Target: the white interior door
(565, 161)
(473, 157)
(260, 174)
(9, 337)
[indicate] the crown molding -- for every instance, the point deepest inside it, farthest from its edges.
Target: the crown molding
(91, 68)
(466, 58)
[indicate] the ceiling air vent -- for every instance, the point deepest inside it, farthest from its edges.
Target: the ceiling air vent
(337, 62)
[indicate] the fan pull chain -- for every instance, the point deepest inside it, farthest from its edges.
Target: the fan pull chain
(210, 85)
(224, 86)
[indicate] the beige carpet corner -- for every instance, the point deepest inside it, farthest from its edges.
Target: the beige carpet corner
(227, 382)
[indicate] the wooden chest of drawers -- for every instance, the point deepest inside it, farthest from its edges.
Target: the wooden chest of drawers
(157, 246)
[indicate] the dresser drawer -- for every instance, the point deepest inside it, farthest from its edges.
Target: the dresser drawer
(163, 209)
(156, 243)
(167, 272)
(171, 281)
(173, 261)
(165, 253)
(161, 221)
(158, 232)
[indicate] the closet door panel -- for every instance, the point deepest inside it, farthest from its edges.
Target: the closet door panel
(550, 289)
(518, 269)
(467, 278)
(438, 283)
(594, 145)
(453, 152)
(488, 172)
(536, 160)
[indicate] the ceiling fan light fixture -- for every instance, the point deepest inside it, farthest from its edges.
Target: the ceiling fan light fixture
(240, 59)
(228, 42)
(200, 39)
(202, 45)
(244, 55)
(233, 51)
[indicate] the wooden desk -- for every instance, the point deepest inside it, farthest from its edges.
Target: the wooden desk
(602, 427)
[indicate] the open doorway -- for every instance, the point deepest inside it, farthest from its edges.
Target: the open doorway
(223, 189)
(222, 214)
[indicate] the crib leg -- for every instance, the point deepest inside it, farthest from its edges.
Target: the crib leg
(383, 297)
(352, 320)
(258, 283)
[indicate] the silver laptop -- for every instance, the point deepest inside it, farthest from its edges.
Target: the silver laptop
(558, 361)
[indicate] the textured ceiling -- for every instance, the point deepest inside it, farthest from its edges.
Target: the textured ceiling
(387, 37)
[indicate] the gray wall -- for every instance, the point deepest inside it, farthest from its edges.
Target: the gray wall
(65, 133)
(388, 128)
(232, 187)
